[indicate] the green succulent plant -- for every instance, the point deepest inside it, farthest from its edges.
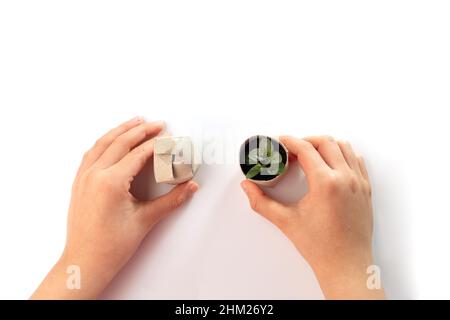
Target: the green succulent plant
(265, 160)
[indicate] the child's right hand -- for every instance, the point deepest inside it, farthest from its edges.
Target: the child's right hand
(332, 225)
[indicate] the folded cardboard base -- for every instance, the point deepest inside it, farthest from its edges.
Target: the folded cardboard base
(174, 160)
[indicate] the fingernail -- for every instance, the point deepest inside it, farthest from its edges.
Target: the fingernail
(137, 119)
(193, 187)
(159, 123)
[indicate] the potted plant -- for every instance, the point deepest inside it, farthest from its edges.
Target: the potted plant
(263, 160)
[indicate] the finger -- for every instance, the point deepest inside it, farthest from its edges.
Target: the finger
(308, 157)
(329, 150)
(362, 167)
(127, 141)
(105, 141)
(154, 210)
(275, 212)
(349, 155)
(135, 160)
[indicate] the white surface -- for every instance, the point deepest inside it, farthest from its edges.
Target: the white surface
(373, 72)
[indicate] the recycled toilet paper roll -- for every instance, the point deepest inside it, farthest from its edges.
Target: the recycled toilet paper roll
(174, 160)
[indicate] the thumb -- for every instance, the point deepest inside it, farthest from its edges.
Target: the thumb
(272, 210)
(156, 209)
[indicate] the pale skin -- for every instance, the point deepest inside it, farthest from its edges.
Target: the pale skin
(106, 223)
(331, 226)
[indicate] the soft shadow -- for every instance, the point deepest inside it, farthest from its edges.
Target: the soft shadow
(292, 187)
(144, 187)
(392, 233)
(238, 240)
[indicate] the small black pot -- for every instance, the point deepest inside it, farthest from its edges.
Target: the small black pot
(264, 180)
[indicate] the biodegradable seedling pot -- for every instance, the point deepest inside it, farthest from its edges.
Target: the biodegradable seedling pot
(263, 160)
(174, 160)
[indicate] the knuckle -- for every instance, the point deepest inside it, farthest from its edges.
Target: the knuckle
(126, 140)
(100, 143)
(85, 179)
(308, 145)
(108, 181)
(125, 126)
(121, 140)
(141, 132)
(254, 203)
(141, 160)
(103, 181)
(353, 183)
(332, 183)
(281, 222)
(177, 201)
(344, 144)
(336, 183)
(88, 175)
(328, 138)
(87, 155)
(360, 159)
(367, 189)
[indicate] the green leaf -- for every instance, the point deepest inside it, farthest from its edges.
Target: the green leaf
(253, 171)
(281, 168)
(269, 148)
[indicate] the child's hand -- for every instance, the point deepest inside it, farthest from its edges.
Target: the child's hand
(106, 223)
(332, 225)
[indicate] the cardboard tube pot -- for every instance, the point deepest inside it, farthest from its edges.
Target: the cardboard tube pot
(263, 160)
(174, 160)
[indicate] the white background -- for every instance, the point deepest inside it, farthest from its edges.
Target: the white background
(376, 73)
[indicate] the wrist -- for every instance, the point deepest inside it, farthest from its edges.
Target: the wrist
(347, 278)
(84, 277)
(67, 281)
